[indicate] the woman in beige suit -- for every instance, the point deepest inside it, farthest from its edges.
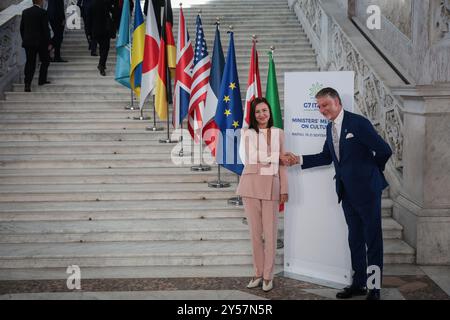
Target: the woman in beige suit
(263, 186)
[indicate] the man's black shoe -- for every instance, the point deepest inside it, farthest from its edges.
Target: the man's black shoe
(59, 60)
(27, 88)
(94, 54)
(102, 70)
(349, 292)
(45, 82)
(373, 295)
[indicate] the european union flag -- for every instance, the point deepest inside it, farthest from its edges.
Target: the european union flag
(229, 115)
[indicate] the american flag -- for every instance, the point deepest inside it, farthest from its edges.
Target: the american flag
(200, 80)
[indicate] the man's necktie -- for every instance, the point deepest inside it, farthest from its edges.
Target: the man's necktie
(335, 140)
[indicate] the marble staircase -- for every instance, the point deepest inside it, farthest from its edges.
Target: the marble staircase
(82, 183)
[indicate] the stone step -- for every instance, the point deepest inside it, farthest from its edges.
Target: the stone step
(11, 115)
(113, 124)
(152, 253)
(285, 50)
(125, 230)
(118, 210)
(52, 105)
(108, 161)
(144, 253)
(132, 272)
(83, 135)
(108, 176)
(103, 192)
(280, 53)
(398, 252)
(293, 58)
(175, 229)
(142, 230)
(285, 66)
(242, 33)
(94, 80)
(71, 149)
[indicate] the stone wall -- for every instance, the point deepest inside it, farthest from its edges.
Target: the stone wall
(12, 55)
(415, 34)
(6, 3)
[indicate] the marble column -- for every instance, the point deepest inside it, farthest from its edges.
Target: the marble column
(423, 205)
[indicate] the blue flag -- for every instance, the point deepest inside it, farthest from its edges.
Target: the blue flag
(229, 115)
(122, 74)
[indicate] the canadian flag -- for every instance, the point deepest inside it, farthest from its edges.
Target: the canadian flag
(254, 85)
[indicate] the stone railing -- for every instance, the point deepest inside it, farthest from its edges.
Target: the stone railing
(336, 51)
(12, 55)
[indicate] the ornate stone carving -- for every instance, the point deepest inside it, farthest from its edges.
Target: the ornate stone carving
(313, 14)
(442, 22)
(9, 42)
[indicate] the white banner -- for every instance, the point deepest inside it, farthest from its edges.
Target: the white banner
(315, 232)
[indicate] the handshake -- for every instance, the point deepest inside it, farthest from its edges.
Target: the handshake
(289, 159)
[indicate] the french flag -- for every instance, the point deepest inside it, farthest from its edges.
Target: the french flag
(183, 74)
(210, 129)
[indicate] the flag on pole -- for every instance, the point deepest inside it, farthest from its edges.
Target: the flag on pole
(122, 73)
(163, 95)
(215, 79)
(200, 80)
(253, 85)
(170, 42)
(229, 115)
(151, 52)
(272, 94)
(137, 49)
(183, 74)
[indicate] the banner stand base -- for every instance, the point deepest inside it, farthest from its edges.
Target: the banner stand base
(154, 129)
(219, 184)
(320, 282)
(141, 118)
(201, 167)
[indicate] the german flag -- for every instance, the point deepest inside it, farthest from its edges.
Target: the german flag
(170, 41)
(166, 60)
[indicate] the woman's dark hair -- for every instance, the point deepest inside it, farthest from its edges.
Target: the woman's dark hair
(253, 122)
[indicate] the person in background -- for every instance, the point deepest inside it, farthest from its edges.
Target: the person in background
(102, 29)
(263, 186)
(85, 8)
(35, 35)
(57, 18)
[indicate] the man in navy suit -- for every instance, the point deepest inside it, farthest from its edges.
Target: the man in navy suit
(359, 156)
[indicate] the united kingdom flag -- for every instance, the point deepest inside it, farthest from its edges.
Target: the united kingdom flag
(200, 80)
(183, 74)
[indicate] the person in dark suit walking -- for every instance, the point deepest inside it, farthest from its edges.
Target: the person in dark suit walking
(102, 29)
(57, 18)
(35, 35)
(359, 156)
(85, 8)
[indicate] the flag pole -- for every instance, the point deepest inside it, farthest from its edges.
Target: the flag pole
(218, 184)
(154, 128)
(130, 106)
(280, 243)
(236, 201)
(168, 92)
(201, 167)
(141, 116)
